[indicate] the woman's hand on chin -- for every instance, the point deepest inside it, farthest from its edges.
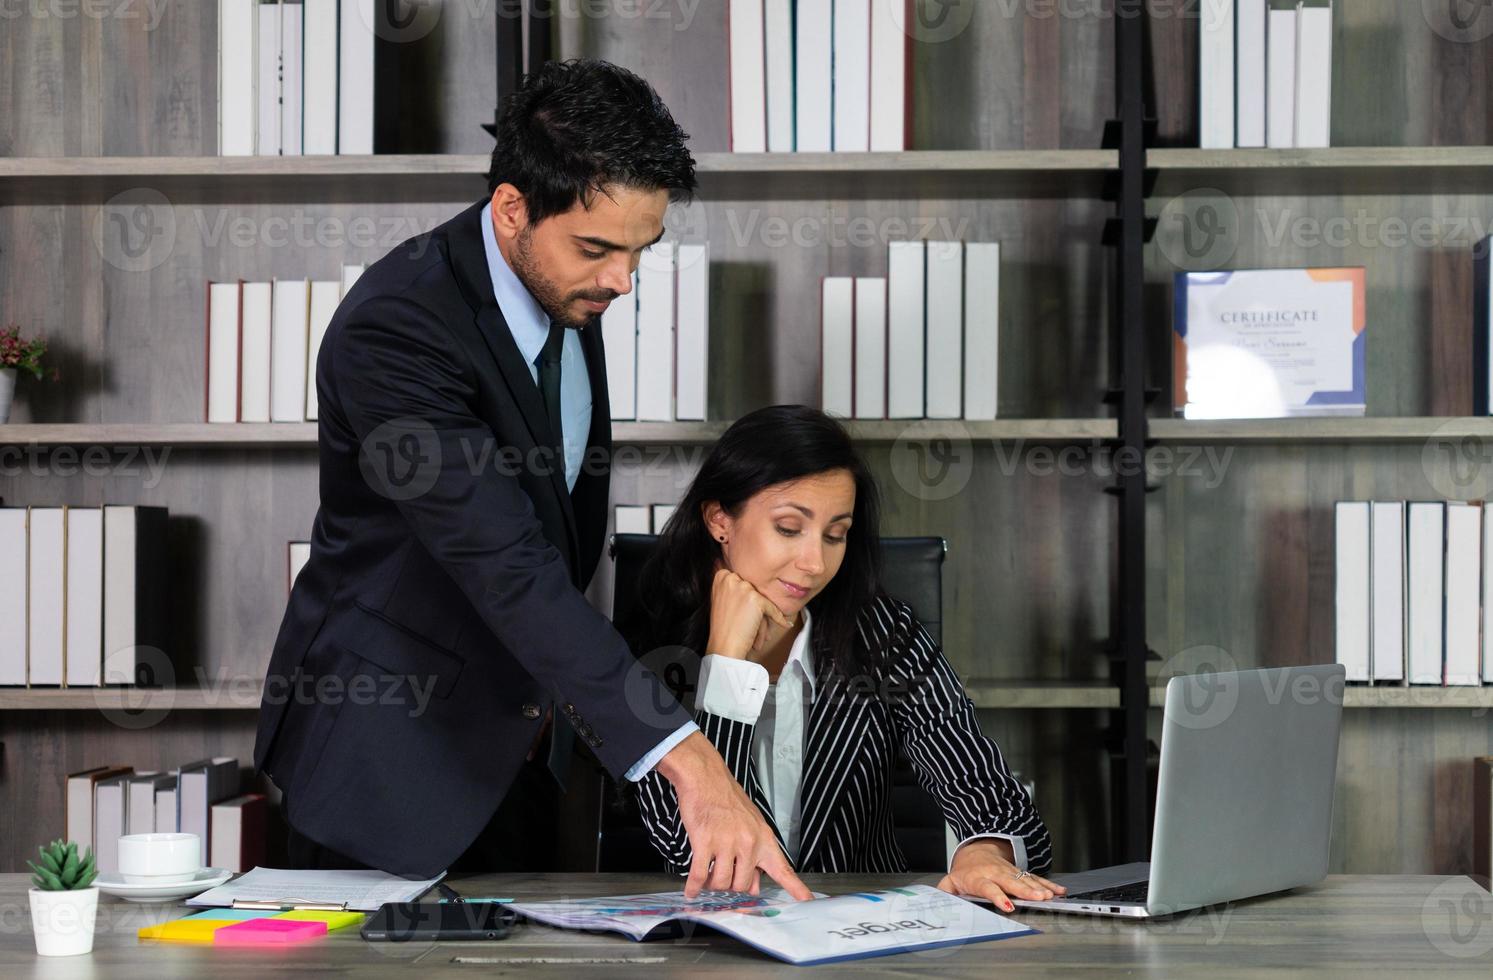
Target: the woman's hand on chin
(743, 621)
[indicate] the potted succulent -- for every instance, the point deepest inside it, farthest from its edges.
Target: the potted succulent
(64, 901)
(17, 354)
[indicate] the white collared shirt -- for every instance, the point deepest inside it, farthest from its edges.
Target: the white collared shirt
(741, 691)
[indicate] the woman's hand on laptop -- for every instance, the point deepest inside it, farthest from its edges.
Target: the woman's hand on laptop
(744, 623)
(983, 869)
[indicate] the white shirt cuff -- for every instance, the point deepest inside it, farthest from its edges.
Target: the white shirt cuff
(1018, 848)
(730, 688)
(645, 765)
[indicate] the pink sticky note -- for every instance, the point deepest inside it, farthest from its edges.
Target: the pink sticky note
(268, 932)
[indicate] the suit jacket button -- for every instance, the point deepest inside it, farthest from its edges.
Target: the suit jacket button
(531, 711)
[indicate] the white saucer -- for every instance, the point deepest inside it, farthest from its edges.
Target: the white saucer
(114, 884)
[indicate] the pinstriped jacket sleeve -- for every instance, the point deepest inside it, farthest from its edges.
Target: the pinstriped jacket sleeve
(954, 761)
(660, 805)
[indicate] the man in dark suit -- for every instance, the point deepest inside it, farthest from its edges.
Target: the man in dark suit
(437, 654)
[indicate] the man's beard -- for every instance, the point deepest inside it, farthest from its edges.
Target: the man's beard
(554, 303)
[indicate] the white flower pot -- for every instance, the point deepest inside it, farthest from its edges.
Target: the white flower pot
(62, 921)
(7, 392)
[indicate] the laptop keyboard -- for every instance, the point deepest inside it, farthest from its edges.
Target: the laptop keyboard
(1123, 893)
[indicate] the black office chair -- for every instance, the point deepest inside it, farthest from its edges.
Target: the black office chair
(913, 572)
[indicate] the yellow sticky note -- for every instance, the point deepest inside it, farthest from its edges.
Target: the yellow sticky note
(185, 930)
(334, 920)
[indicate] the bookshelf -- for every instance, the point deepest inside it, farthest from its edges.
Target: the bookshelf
(1049, 571)
(1242, 567)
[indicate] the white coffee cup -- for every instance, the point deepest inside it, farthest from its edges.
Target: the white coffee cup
(159, 859)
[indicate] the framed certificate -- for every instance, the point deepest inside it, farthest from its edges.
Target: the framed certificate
(1269, 343)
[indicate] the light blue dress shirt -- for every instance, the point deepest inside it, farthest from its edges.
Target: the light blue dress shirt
(530, 327)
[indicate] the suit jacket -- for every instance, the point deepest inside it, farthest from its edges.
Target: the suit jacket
(855, 727)
(440, 615)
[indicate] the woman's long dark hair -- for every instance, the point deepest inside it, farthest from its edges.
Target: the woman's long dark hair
(765, 448)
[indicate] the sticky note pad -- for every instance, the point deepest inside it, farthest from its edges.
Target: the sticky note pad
(267, 932)
(232, 915)
(334, 920)
(187, 930)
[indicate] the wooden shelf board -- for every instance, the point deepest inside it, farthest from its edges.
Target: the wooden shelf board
(303, 435)
(1320, 429)
(1361, 696)
(1394, 170)
(205, 435)
(236, 696)
(722, 176)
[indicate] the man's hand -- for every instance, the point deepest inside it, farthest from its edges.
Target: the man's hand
(983, 869)
(731, 842)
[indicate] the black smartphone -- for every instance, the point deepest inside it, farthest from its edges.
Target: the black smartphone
(424, 922)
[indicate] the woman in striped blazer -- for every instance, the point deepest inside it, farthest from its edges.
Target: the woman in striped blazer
(812, 678)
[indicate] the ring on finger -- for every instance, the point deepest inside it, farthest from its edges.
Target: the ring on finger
(1021, 874)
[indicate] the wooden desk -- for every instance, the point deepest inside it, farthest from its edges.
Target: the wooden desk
(1347, 926)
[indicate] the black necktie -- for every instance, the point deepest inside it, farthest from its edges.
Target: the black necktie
(562, 736)
(549, 388)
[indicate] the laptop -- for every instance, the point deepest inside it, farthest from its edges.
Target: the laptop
(1243, 798)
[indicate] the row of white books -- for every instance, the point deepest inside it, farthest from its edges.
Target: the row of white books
(642, 518)
(657, 338)
(1414, 593)
(202, 798)
(921, 343)
(1265, 73)
(295, 76)
(262, 341)
(82, 591)
(828, 75)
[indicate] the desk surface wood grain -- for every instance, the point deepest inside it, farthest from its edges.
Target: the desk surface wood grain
(1346, 926)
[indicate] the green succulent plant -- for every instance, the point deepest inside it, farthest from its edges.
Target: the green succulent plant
(62, 868)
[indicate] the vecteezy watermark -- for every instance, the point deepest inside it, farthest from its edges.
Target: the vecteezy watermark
(747, 226)
(1210, 690)
(401, 458)
(933, 469)
(150, 11)
(1457, 917)
(1211, 683)
(364, 687)
(149, 687)
(115, 462)
(1209, 924)
(135, 230)
(297, 228)
(936, 21)
(940, 467)
(1209, 464)
(1462, 21)
(1199, 230)
(1457, 463)
(401, 21)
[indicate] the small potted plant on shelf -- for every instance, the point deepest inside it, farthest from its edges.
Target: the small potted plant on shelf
(17, 354)
(64, 900)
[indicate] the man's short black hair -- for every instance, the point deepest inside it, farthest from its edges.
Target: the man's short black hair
(578, 126)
